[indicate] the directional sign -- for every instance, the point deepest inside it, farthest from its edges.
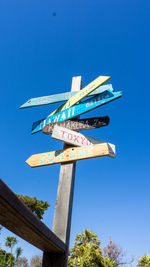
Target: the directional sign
(77, 139)
(76, 110)
(45, 100)
(82, 93)
(69, 155)
(78, 124)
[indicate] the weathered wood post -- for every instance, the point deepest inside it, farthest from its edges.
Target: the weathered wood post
(63, 209)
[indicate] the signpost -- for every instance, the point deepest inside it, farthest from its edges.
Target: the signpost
(69, 155)
(85, 147)
(77, 139)
(64, 202)
(77, 110)
(45, 100)
(78, 124)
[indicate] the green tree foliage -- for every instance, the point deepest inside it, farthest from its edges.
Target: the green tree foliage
(6, 259)
(87, 253)
(10, 242)
(18, 252)
(144, 261)
(38, 207)
(11, 260)
(107, 262)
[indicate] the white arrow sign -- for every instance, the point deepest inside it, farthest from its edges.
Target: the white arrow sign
(78, 139)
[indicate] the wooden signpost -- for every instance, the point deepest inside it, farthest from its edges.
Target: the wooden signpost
(65, 192)
(78, 124)
(76, 110)
(69, 155)
(77, 139)
(85, 147)
(45, 100)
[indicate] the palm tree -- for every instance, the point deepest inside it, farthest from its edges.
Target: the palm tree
(10, 242)
(18, 252)
(11, 260)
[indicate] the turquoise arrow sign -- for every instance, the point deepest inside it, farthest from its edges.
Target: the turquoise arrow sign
(44, 100)
(79, 109)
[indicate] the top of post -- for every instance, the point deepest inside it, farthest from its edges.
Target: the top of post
(76, 83)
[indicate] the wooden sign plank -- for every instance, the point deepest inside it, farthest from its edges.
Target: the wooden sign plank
(78, 124)
(76, 110)
(69, 155)
(77, 139)
(45, 100)
(82, 93)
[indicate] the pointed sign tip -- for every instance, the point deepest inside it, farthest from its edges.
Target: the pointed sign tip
(21, 107)
(28, 162)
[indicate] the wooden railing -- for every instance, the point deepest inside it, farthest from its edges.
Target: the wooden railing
(18, 218)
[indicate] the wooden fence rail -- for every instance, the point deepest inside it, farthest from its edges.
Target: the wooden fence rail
(16, 217)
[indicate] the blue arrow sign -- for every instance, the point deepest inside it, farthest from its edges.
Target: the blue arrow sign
(45, 100)
(76, 110)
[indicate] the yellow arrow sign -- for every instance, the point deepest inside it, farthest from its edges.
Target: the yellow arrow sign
(82, 93)
(69, 155)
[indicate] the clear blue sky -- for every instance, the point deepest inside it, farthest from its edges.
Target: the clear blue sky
(39, 54)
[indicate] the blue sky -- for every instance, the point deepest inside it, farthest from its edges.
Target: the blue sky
(39, 55)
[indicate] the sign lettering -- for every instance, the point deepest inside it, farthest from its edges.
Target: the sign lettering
(45, 100)
(69, 155)
(77, 139)
(76, 110)
(82, 93)
(78, 124)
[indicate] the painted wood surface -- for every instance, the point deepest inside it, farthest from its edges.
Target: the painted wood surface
(78, 124)
(69, 155)
(45, 100)
(76, 110)
(82, 93)
(77, 139)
